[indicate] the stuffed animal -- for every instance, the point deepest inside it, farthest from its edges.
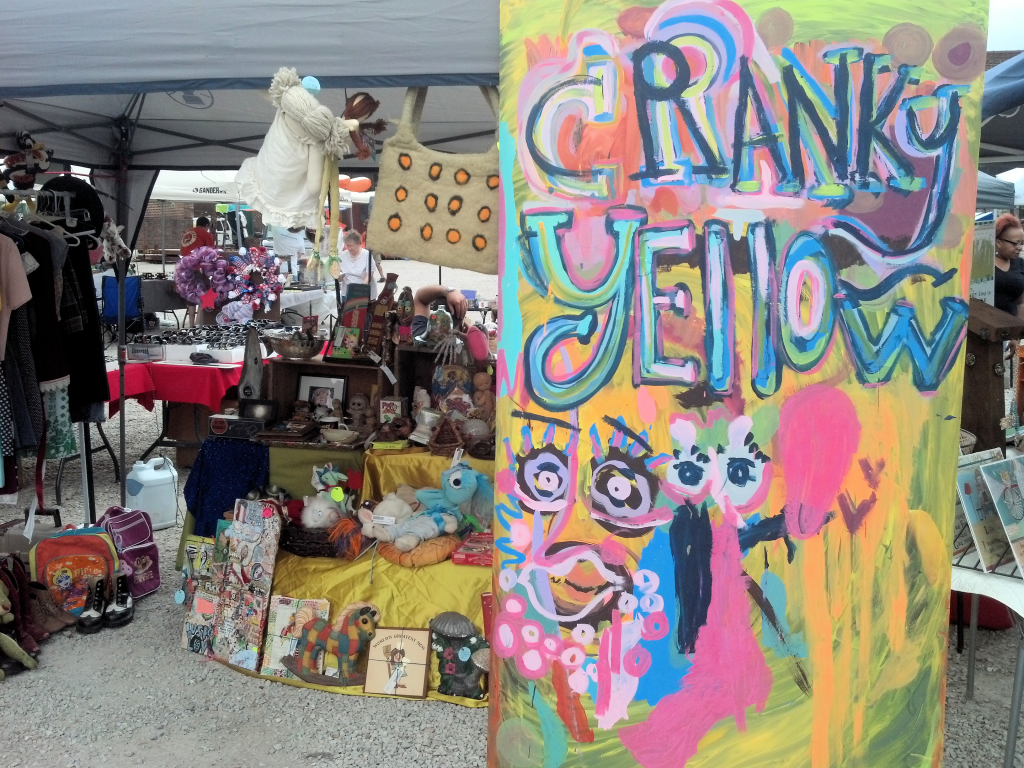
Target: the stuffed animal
(398, 505)
(7, 643)
(320, 511)
(465, 493)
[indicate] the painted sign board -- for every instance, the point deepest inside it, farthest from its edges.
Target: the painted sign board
(735, 266)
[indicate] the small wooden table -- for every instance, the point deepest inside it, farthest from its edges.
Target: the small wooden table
(983, 401)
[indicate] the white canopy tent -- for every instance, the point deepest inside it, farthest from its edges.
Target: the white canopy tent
(196, 186)
(129, 89)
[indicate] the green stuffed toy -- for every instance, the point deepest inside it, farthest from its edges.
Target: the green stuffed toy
(7, 643)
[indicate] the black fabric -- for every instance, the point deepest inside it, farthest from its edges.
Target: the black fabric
(47, 335)
(84, 348)
(19, 354)
(1010, 286)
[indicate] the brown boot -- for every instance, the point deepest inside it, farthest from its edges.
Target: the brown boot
(24, 639)
(43, 599)
(38, 612)
(28, 621)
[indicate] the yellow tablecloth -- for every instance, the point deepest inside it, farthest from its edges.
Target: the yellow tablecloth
(407, 597)
(383, 474)
(292, 467)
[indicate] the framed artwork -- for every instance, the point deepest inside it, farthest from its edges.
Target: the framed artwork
(398, 663)
(345, 342)
(322, 391)
(1005, 481)
(977, 521)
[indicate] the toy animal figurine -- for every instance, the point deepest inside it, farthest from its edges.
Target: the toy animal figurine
(320, 511)
(8, 644)
(337, 411)
(460, 664)
(301, 411)
(345, 641)
(398, 429)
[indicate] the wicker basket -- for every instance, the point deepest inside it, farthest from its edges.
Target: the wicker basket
(307, 543)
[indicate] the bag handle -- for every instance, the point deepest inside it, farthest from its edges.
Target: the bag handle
(412, 109)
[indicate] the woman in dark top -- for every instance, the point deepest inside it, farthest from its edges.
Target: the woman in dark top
(1009, 265)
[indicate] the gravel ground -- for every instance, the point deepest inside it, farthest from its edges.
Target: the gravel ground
(133, 697)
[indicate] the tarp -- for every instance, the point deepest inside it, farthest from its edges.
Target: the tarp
(195, 186)
(1002, 133)
(182, 86)
(993, 193)
(1016, 178)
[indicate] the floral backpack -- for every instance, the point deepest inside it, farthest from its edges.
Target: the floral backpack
(131, 530)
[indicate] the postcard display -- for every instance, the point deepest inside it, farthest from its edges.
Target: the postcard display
(735, 259)
(231, 593)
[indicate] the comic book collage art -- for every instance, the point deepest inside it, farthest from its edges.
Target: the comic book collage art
(736, 243)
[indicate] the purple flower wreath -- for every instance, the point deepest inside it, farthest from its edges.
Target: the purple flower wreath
(201, 270)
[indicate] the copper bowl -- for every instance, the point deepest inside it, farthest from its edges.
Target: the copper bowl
(294, 349)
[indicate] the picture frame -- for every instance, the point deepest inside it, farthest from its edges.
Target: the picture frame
(261, 410)
(322, 391)
(399, 663)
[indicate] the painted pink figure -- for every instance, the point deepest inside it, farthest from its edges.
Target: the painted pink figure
(728, 675)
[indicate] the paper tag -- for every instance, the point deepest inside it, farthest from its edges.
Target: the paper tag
(389, 374)
(383, 519)
(457, 456)
(28, 261)
(373, 356)
(30, 524)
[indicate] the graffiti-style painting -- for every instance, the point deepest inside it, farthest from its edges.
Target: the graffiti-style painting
(736, 256)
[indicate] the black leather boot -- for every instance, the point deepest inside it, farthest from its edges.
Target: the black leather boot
(90, 621)
(122, 609)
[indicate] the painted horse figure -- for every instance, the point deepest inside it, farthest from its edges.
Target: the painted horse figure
(346, 640)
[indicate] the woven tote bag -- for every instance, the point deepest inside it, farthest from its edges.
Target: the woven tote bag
(433, 206)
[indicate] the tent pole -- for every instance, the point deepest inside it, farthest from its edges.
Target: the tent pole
(163, 237)
(122, 350)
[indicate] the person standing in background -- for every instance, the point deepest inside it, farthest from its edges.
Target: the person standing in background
(355, 265)
(290, 247)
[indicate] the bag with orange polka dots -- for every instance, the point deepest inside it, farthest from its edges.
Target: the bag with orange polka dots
(433, 206)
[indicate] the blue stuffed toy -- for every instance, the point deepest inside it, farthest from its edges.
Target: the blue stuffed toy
(464, 493)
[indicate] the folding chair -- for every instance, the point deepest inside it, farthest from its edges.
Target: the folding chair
(132, 304)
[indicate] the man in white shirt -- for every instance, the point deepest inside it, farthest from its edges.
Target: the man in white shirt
(290, 246)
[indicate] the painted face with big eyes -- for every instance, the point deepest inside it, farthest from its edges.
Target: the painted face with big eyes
(622, 493)
(736, 475)
(542, 480)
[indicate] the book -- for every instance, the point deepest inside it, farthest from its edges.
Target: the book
(283, 631)
(197, 633)
(475, 550)
(289, 432)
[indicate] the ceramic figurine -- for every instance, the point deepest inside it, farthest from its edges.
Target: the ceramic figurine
(337, 411)
(483, 397)
(398, 429)
(358, 407)
(460, 664)
(439, 327)
(420, 399)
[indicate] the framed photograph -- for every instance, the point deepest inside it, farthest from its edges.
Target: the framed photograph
(322, 391)
(263, 410)
(399, 663)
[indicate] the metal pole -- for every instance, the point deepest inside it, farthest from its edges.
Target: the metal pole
(975, 602)
(122, 276)
(163, 237)
(1018, 690)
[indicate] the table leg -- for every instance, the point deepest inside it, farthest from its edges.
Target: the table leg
(1018, 690)
(972, 650)
(960, 621)
(165, 422)
(110, 450)
(60, 478)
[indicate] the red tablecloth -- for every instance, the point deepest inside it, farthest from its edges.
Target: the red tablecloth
(137, 384)
(200, 384)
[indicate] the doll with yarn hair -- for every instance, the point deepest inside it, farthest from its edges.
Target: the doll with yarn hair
(283, 182)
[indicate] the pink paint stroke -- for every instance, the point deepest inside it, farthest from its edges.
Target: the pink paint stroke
(728, 675)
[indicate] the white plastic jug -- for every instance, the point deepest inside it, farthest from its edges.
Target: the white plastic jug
(152, 486)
